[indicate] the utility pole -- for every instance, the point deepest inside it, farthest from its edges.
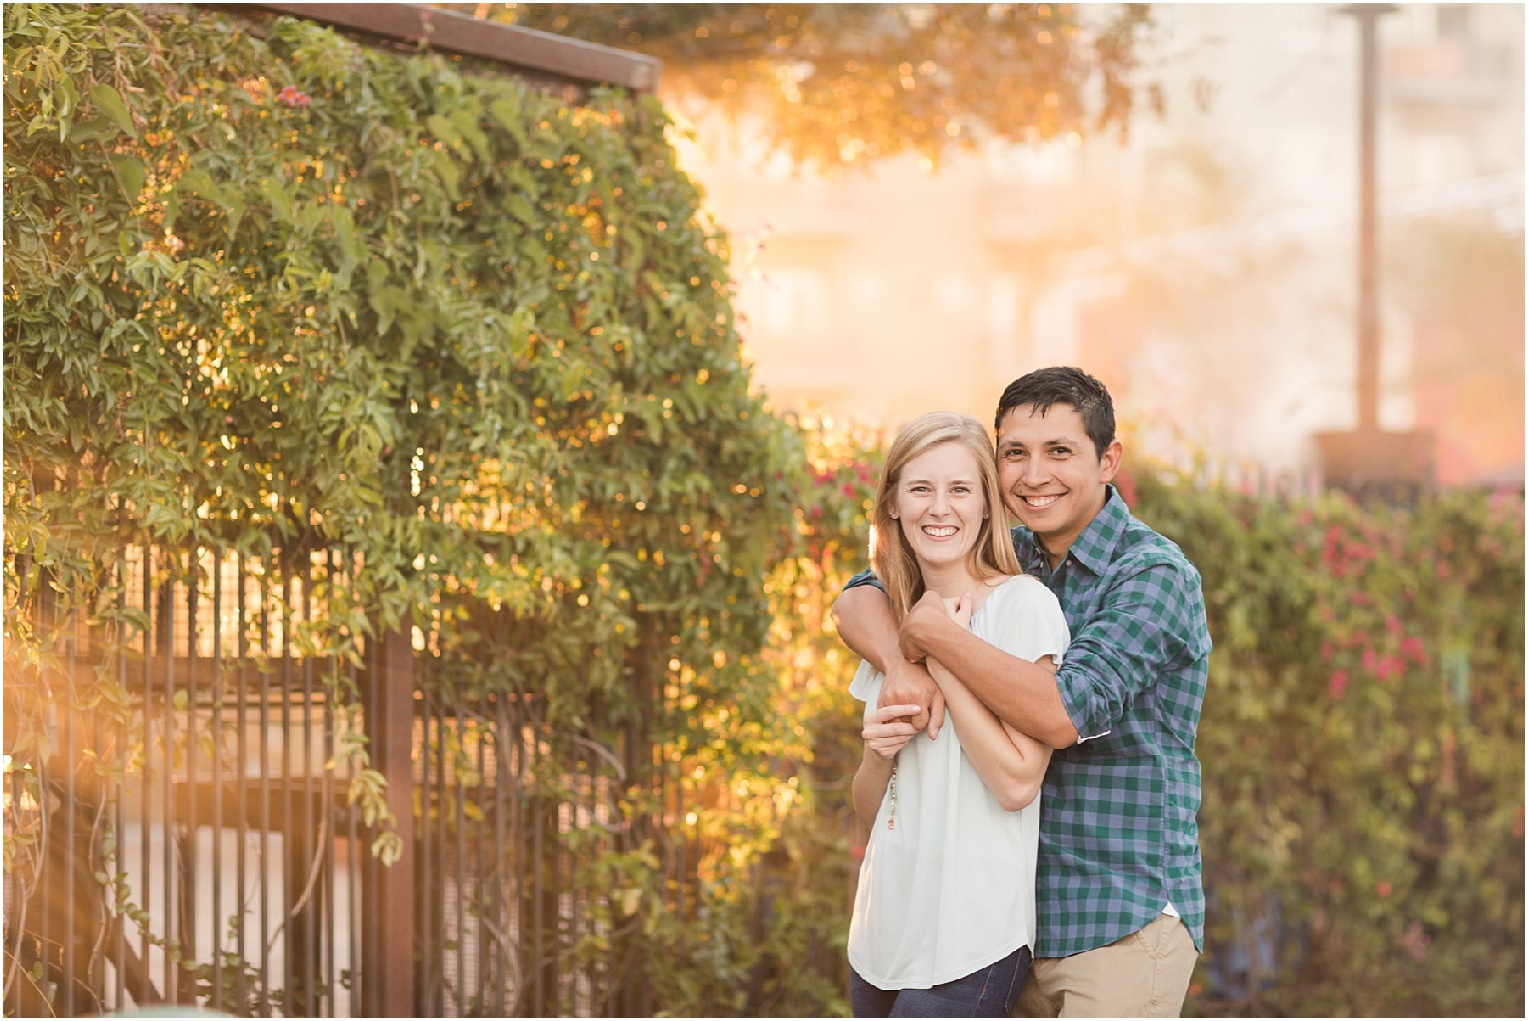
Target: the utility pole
(1368, 16)
(1369, 460)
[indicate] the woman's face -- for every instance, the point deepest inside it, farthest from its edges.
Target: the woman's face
(940, 504)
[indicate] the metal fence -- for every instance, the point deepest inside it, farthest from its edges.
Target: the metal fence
(189, 837)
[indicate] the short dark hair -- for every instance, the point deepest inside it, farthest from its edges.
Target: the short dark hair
(1063, 385)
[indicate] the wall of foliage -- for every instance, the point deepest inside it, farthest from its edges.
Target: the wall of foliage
(1362, 743)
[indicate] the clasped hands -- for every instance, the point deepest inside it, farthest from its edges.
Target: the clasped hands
(909, 685)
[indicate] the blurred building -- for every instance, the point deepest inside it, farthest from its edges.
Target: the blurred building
(1204, 268)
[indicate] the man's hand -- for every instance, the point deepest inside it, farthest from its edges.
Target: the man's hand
(911, 684)
(930, 610)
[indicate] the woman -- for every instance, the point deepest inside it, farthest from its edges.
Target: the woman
(944, 916)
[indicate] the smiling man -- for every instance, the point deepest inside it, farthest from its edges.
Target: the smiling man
(1118, 888)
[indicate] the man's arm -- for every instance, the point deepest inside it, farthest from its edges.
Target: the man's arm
(866, 625)
(1020, 693)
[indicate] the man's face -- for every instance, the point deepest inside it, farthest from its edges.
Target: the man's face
(1052, 478)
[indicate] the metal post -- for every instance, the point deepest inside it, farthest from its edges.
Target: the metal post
(387, 912)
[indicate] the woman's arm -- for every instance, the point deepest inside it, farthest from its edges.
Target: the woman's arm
(886, 733)
(1011, 764)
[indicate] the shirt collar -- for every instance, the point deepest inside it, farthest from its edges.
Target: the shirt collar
(1093, 546)
(1094, 543)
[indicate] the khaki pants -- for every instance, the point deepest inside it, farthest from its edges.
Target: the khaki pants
(1145, 974)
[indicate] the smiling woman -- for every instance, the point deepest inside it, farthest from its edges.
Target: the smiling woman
(922, 942)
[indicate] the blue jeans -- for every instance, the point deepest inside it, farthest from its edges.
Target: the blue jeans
(986, 992)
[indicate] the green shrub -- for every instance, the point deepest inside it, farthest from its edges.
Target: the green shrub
(1362, 743)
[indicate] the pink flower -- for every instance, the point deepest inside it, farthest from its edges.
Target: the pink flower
(292, 96)
(1412, 646)
(1339, 683)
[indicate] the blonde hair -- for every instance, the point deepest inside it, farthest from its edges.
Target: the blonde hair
(893, 559)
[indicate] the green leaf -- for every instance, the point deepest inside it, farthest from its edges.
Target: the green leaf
(130, 175)
(280, 200)
(109, 101)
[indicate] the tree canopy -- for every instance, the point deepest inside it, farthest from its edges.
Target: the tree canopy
(841, 84)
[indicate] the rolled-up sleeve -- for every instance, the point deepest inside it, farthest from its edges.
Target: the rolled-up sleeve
(864, 578)
(1150, 617)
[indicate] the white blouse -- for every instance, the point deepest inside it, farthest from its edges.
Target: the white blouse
(951, 888)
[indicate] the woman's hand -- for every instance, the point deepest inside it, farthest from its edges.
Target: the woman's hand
(960, 609)
(887, 729)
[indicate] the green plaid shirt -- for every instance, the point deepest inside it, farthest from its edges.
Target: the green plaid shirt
(1119, 835)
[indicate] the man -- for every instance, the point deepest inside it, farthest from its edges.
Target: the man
(1120, 902)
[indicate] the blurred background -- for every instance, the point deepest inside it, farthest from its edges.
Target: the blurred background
(1201, 259)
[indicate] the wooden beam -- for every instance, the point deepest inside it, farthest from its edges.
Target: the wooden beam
(445, 30)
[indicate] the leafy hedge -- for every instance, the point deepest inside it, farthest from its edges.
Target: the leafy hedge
(1362, 743)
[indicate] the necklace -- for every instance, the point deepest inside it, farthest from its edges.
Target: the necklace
(891, 792)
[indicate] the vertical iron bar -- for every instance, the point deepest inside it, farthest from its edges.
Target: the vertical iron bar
(119, 852)
(459, 796)
(43, 926)
(241, 710)
(330, 968)
(539, 877)
(71, 837)
(167, 607)
(518, 828)
(430, 959)
(290, 839)
(352, 842)
(309, 916)
(265, 787)
(443, 821)
(480, 874)
(216, 999)
(439, 836)
(501, 748)
(186, 901)
(150, 647)
(442, 836)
